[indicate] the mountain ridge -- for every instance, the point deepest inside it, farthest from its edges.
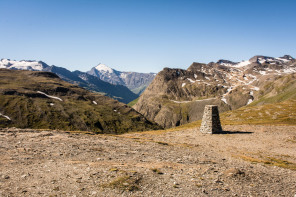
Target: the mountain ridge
(178, 96)
(118, 92)
(135, 81)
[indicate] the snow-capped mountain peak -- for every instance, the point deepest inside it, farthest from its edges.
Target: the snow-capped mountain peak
(104, 68)
(136, 82)
(22, 65)
(226, 62)
(259, 59)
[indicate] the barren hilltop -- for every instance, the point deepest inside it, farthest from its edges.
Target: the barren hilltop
(248, 161)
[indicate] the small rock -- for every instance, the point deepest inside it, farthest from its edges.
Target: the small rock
(233, 172)
(4, 176)
(25, 176)
(204, 191)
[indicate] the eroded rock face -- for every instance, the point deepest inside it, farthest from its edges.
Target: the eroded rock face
(178, 96)
(171, 102)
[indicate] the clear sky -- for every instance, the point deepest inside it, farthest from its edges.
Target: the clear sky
(145, 35)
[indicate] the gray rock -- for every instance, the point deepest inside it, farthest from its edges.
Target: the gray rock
(211, 120)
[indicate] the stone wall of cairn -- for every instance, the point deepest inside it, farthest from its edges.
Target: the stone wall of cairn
(211, 120)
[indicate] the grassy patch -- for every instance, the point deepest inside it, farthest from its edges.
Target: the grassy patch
(163, 143)
(132, 103)
(124, 183)
(277, 113)
(272, 161)
(282, 113)
(113, 169)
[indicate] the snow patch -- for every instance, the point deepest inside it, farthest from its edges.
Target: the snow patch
(261, 60)
(262, 72)
(227, 92)
(195, 76)
(289, 70)
(190, 80)
(123, 75)
(183, 84)
(250, 101)
(242, 64)
(224, 100)
(51, 104)
(104, 68)
(94, 102)
(226, 64)
(21, 65)
(53, 97)
(255, 88)
(283, 60)
(5, 116)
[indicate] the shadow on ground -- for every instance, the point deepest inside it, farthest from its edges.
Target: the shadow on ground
(234, 132)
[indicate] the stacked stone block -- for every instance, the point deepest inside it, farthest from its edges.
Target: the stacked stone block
(211, 120)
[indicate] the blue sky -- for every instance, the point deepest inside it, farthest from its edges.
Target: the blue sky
(145, 35)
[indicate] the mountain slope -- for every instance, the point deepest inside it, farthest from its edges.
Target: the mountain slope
(118, 92)
(136, 82)
(30, 99)
(94, 84)
(177, 96)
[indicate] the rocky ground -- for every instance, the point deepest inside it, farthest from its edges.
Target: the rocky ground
(247, 161)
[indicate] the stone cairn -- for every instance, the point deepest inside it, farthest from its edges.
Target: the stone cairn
(211, 120)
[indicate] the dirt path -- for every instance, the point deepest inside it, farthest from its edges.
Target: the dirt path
(249, 161)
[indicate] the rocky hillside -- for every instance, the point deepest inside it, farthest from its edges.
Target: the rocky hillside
(38, 99)
(136, 82)
(177, 96)
(89, 82)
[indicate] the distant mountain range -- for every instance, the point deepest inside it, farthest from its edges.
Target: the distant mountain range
(107, 81)
(136, 82)
(178, 96)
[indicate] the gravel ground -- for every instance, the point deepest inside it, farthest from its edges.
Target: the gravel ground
(248, 161)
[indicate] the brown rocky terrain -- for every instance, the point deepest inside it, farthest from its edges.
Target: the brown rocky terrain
(245, 161)
(176, 96)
